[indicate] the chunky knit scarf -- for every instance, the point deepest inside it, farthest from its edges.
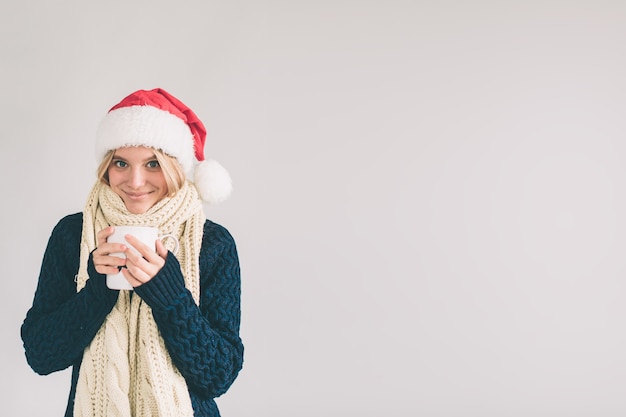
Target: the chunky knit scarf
(126, 370)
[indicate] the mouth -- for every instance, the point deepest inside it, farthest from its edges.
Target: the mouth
(137, 196)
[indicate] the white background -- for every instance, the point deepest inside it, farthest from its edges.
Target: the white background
(429, 195)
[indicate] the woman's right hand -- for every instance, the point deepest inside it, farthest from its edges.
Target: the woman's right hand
(102, 259)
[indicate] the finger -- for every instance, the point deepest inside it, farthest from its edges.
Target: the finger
(161, 249)
(107, 270)
(109, 260)
(145, 251)
(108, 264)
(103, 234)
(106, 249)
(132, 280)
(141, 268)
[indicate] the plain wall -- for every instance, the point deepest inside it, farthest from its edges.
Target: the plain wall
(429, 195)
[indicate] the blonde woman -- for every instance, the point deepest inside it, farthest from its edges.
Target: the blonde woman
(170, 345)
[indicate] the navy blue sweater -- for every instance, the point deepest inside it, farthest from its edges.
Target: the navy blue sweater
(203, 341)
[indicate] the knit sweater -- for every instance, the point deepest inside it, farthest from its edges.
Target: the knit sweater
(203, 341)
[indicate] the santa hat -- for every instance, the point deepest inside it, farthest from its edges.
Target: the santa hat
(156, 119)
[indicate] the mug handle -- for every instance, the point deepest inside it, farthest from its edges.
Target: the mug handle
(176, 244)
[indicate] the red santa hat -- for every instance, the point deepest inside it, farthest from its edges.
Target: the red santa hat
(156, 119)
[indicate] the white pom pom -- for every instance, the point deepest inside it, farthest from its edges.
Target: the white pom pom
(212, 181)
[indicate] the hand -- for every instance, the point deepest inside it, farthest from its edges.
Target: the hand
(102, 259)
(142, 267)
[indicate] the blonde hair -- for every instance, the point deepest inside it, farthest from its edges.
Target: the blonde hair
(171, 168)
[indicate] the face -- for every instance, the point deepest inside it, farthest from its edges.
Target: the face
(136, 176)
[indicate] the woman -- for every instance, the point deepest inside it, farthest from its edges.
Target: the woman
(171, 345)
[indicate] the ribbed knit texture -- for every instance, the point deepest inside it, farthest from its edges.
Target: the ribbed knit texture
(202, 341)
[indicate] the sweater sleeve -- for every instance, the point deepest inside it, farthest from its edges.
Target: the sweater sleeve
(62, 322)
(203, 341)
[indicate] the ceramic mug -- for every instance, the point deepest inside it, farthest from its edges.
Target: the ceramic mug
(145, 234)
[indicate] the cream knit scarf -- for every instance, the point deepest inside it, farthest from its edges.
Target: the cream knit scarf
(126, 370)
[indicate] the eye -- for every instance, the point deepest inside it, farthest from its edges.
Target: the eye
(119, 164)
(153, 164)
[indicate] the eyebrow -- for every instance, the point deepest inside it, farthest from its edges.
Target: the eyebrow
(117, 157)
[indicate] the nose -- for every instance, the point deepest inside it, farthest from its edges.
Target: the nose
(137, 178)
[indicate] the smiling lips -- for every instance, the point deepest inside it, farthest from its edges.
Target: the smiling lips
(137, 196)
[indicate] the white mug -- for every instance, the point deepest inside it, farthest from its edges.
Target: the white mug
(145, 234)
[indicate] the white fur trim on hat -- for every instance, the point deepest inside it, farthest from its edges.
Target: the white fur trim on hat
(147, 126)
(212, 181)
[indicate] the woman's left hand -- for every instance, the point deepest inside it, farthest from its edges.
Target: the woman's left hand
(142, 268)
